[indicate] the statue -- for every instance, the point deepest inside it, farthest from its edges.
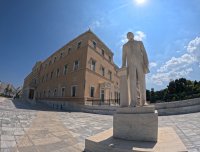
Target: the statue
(135, 59)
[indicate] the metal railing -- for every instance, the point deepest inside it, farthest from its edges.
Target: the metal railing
(100, 102)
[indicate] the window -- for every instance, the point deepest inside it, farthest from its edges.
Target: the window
(35, 81)
(51, 74)
(65, 69)
(63, 92)
(55, 92)
(54, 59)
(50, 62)
(93, 65)
(76, 65)
(102, 71)
(73, 91)
(102, 95)
(94, 44)
(110, 59)
(110, 75)
(46, 76)
(69, 50)
(43, 79)
(44, 93)
(102, 52)
(49, 93)
(79, 45)
(57, 72)
(61, 55)
(92, 91)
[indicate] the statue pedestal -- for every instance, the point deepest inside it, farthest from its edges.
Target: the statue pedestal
(138, 123)
(135, 129)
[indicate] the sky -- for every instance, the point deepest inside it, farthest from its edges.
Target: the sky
(31, 30)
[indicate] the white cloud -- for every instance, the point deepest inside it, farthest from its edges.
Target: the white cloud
(161, 77)
(194, 49)
(152, 64)
(174, 62)
(139, 35)
(178, 67)
(95, 24)
(194, 45)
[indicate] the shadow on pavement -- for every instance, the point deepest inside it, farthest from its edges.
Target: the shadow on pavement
(37, 106)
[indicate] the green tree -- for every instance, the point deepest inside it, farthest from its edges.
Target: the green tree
(152, 98)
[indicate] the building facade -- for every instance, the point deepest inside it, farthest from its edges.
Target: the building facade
(80, 71)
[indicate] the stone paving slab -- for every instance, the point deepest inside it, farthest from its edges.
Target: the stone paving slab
(24, 128)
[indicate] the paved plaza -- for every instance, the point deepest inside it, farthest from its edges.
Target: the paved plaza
(37, 128)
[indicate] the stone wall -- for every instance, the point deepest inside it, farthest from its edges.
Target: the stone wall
(178, 107)
(167, 108)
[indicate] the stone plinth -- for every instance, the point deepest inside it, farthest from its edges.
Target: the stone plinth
(138, 123)
(168, 141)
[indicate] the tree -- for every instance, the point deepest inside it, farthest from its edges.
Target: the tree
(171, 87)
(152, 97)
(148, 94)
(178, 89)
(6, 90)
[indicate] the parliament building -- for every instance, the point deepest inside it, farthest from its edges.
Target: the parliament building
(82, 70)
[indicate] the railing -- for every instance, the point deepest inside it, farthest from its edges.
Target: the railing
(99, 102)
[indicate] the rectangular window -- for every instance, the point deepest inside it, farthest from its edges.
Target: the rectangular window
(63, 92)
(61, 55)
(110, 75)
(102, 52)
(76, 65)
(94, 44)
(47, 76)
(102, 95)
(57, 72)
(43, 79)
(49, 93)
(65, 69)
(93, 65)
(110, 59)
(54, 59)
(44, 93)
(55, 92)
(91, 91)
(51, 74)
(50, 62)
(73, 91)
(79, 45)
(69, 50)
(102, 71)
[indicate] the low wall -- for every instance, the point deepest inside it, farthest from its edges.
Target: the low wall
(178, 107)
(165, 108)
(106, 110)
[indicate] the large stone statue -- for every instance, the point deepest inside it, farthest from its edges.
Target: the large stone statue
(135, 59)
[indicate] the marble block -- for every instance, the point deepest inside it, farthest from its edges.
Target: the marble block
(139, 124)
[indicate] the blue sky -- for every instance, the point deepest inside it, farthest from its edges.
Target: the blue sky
(31, 30)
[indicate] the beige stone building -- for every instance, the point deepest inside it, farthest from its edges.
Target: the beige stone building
(80, 71)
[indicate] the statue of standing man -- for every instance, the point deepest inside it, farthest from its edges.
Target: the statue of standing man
(135, 59)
